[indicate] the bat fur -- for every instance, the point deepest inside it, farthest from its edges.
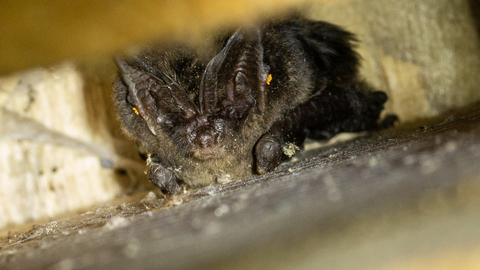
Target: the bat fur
(227, 110)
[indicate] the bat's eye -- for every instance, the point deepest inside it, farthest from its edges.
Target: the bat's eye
(161, 119)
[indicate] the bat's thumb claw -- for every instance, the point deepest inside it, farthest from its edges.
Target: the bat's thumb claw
(163, 179)
(268, 154)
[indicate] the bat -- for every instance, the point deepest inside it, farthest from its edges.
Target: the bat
(232, 108)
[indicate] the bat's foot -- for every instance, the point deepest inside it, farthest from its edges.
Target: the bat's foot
(162, 178)
(377, 98)
(268, 154)
(388, 121)
(376, 102)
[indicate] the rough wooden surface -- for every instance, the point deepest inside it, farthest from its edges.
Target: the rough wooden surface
(425, 54)
(406, 198)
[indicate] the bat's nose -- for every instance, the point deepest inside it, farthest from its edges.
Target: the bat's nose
(208, 144)
(205, 139)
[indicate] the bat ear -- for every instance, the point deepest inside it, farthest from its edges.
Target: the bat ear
(234, 80)
(137, 83)
(154, 95)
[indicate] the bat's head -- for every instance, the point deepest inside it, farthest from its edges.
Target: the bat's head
(199, 107)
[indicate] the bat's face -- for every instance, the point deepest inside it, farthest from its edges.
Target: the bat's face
(185, 111)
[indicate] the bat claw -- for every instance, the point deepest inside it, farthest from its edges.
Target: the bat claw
(268, 154)
(388, 121)
(163, 179)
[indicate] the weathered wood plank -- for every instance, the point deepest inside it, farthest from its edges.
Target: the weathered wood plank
(424, 54)
(402, 199)
(51, 152)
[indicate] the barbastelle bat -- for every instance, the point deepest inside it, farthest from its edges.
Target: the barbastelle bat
(229, 110)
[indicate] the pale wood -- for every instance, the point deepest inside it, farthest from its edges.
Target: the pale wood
(50, 153)
(424, 54)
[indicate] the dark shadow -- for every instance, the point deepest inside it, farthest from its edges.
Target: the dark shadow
(475, 10)
(98, 75)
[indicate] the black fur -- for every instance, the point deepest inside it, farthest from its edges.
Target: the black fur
(228, 111)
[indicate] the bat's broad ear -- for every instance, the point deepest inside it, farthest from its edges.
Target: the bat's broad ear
(154, 94)
(142, 103)
(234, 80)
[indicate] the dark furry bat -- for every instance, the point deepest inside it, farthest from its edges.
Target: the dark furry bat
(229, 111)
